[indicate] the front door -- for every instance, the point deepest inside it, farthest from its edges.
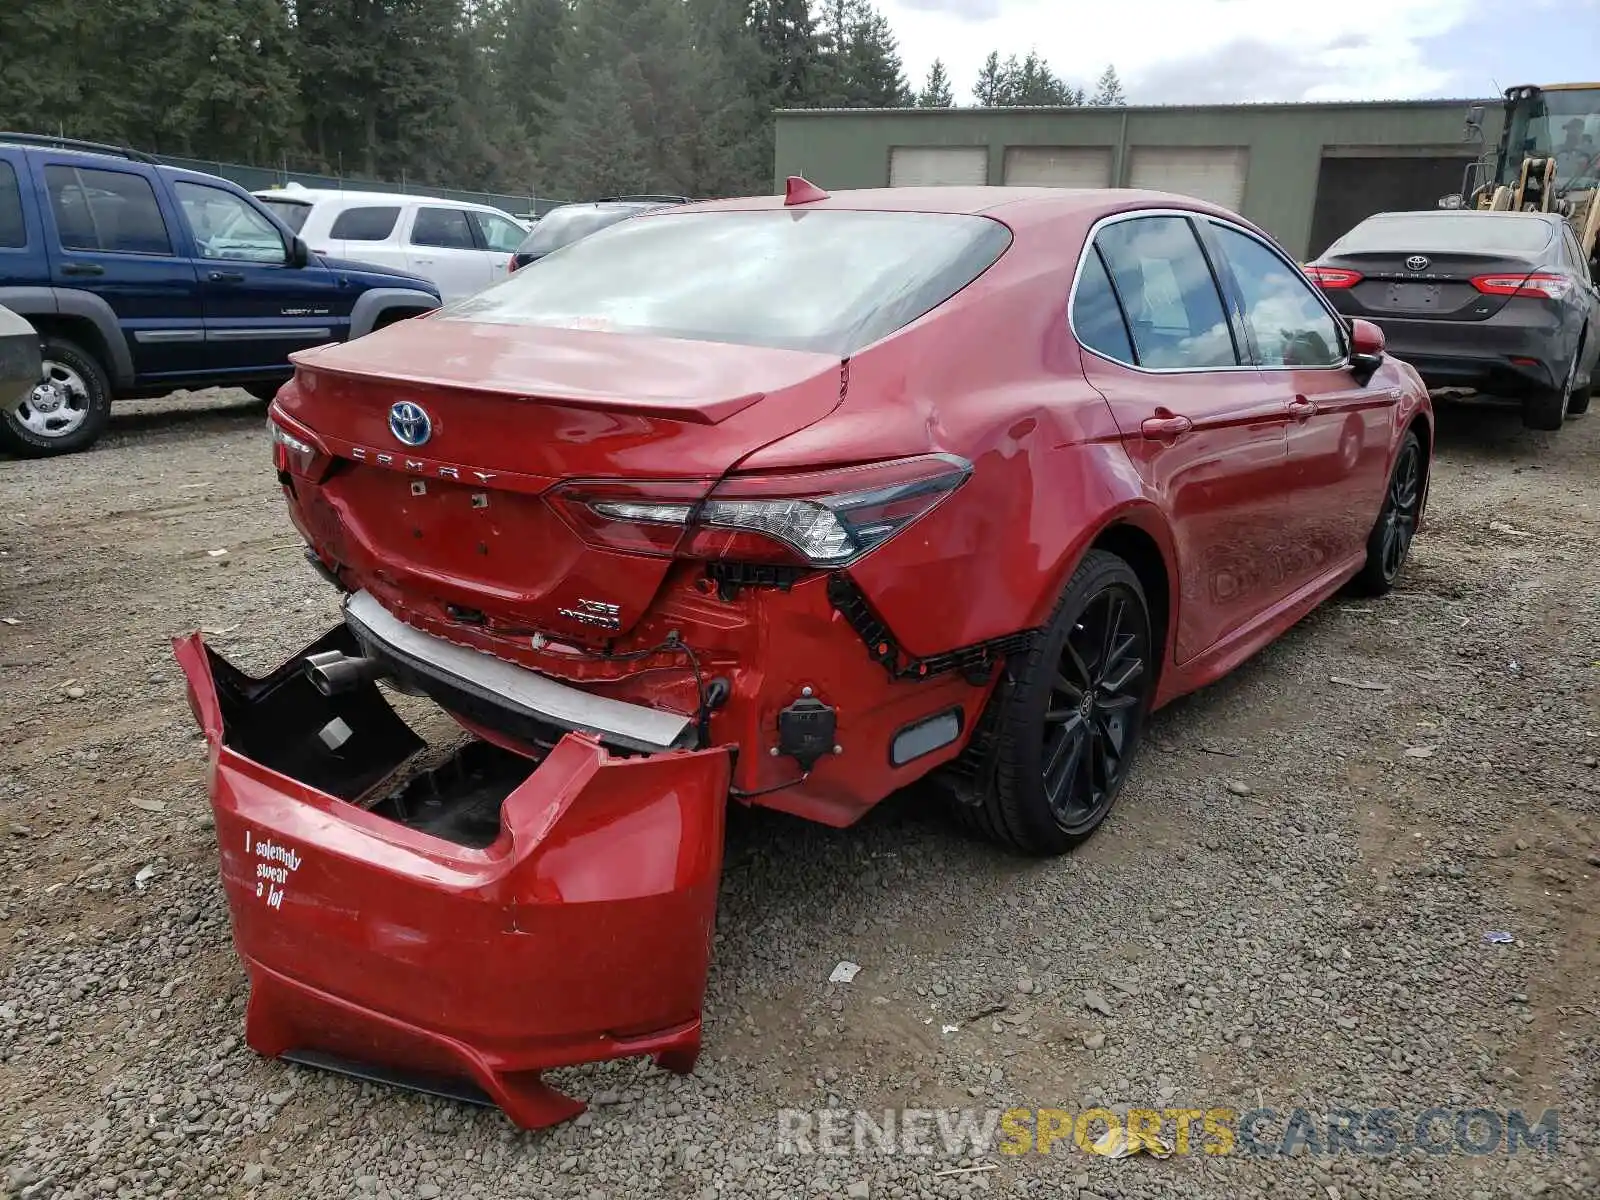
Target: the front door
(113, 236)
(441, 247)
(1340, 430)
(258, 308)
(1204, 433)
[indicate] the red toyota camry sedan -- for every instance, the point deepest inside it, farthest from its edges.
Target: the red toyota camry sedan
(787, 501)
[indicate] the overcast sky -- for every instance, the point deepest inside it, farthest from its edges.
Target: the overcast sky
(1194, 51)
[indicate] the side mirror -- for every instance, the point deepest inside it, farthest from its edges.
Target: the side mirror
(1366, 350)
(1475, 117)
(299, 252)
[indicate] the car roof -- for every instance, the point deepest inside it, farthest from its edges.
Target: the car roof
(1019, 206)
(306, 195)
(1548, 218)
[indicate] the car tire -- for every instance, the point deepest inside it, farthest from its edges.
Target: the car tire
(1070, 720)
(69, 409)
(1578, 402)
(1547, 408)
(1392, 534)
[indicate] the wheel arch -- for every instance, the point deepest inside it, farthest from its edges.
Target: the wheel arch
(78, 316)
(374, 303)
(1138, 534)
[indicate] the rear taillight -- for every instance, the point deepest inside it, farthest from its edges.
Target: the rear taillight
(295, 448)
(1542, 284)
(1332, 277)
(815, 519)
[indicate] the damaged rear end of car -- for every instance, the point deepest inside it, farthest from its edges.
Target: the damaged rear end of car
(534, 507)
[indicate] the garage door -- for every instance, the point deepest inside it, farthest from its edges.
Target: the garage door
(1214, 174)
(1351, 189)
(929, 166)
(1058, 166)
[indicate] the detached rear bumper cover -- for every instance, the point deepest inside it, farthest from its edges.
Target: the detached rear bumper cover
(581, 933)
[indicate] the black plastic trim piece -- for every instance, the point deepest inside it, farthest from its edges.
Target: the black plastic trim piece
(975, 661)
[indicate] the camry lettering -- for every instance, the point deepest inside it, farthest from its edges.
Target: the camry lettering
(420, 466)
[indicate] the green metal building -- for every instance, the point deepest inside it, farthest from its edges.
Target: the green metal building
(1304, 172)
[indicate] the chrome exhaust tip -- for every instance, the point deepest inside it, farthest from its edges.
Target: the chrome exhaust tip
(334, 672)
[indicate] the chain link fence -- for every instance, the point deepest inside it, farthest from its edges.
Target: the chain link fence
(255, 178)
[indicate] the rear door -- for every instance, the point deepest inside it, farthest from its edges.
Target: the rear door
(1200, 425)
(441, 246)
(258, 309)
(22, 259)
(1339, 430)
(113, 232)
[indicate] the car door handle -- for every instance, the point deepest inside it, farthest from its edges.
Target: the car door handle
(226, 277)
(1302, 407)
(82, 269)
(1167, 425)
(423, 262)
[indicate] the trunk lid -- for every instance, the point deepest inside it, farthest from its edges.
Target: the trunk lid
(457, 521)
(1440, 290)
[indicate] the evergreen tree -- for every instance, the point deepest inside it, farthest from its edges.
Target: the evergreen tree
(1108, 92)
(937, 92)
(992, 89)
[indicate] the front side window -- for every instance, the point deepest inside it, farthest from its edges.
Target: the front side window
(1174, 310)
(225, 227)
(444, 227)
(111, 211)
(1289, 325)
(12, 231)
(499, 234)
(369, 223)
(1096, 315)
(823, 280)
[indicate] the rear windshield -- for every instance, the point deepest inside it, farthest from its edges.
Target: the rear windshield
(291, 212)
(1492, 233)
(566, 225)
(825, 280)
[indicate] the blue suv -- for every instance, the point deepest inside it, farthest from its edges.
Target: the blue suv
(141, 278)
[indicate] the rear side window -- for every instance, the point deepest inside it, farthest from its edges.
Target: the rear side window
(370, 223)
(1096, 316)
(106, 210)
(1171, 299)
(823, 280)
(12, 232)
(446, 227)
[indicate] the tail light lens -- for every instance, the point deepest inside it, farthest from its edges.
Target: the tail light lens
(295, 448)
(1544, 285)
(810, 519)
(1332, 277)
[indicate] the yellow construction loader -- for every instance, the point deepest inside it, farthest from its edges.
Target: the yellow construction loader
(1548, 159)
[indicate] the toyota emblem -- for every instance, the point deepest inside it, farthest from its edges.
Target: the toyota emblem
(1416, 263)
(409, 423)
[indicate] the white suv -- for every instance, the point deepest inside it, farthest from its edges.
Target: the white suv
(461, 247)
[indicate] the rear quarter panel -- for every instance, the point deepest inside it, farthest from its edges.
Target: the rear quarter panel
(994, 376)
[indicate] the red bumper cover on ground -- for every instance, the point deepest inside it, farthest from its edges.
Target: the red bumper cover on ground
(582, 932)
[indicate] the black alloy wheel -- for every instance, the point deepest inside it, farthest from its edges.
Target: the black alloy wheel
(1070, 714)
(1096, 702)
(1390, 540)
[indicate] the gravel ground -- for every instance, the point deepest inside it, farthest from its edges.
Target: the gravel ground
(1289, 907)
